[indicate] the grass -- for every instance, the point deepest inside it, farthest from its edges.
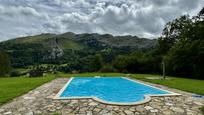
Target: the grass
(189, 85)
(16, 86)
(56, 114)
(89, 74)
(71, 44)
(202, 109)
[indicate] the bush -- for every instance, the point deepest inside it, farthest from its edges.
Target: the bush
(125, 71)
(5, 64)
(107, 68)
(15, 73)
(35, 73)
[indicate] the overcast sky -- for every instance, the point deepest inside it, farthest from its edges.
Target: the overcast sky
(144, 18)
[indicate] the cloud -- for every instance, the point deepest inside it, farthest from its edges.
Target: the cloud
(144, 18)
(18, 10)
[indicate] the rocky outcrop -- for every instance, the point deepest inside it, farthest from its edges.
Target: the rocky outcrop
(55, 50)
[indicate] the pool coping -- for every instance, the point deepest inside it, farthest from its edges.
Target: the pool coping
(147, 98)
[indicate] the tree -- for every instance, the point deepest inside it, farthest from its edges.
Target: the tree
(200, 16)
(171, 33)
(4, 63)
(96, 63)
(120, 63)
(186, 57)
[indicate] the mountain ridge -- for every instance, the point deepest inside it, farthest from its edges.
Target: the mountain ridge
(73, 36)
(48, 48)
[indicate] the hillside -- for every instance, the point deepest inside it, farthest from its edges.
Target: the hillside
(68, 47)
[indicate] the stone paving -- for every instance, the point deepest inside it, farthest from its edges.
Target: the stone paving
(39, 102)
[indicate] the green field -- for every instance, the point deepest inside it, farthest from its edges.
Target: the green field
(15, 86)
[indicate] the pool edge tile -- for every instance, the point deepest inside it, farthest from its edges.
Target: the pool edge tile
(147, 98)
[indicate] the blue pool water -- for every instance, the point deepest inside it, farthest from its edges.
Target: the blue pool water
(111, 89)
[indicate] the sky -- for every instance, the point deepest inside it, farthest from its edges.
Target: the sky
(143, 18)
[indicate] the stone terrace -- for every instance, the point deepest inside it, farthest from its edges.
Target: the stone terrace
(39, 102)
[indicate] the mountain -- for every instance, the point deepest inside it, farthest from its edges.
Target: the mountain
(70, 47)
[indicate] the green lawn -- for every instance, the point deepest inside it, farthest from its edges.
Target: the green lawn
(89, 74)
(16, 86)
(190, 85)
(202, 109)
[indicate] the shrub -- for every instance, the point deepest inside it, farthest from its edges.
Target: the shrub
(125, 71)
(202, 109)
(35, 73)
(5, 66)
(107, 68)
(15, 73)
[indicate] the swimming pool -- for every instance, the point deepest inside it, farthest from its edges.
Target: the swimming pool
(110, 90)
